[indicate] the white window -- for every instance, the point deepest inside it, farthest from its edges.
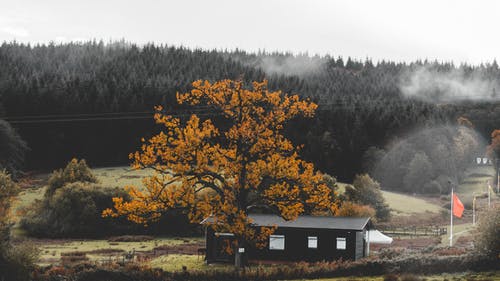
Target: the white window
(312, 242)
(341, 243)
(277, 242)
(218, 234)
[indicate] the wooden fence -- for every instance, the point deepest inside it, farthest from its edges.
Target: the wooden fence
(414, 231)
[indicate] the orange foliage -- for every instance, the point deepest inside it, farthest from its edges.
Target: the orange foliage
(349, 209)
(224, 174)
(493, 150)
(463, 121)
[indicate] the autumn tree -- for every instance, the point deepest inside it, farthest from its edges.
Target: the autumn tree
(366, 191)
(493, 149)
(463, 121)
(419, 172)
(223, 172)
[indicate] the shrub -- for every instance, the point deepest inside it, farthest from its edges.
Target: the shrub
(349, 209)
(75, 171)
(487, 241)
(16, 262)
(8, 189)
(366, 267)
(73, 204)
(75, 211)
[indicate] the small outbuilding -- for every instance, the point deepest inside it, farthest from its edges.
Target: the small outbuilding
(308, 238)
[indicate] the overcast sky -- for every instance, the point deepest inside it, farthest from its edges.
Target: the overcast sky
(391, 29)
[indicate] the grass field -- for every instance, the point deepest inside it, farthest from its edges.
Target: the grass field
(25, 199)
(120, 176)
(98, 250)
(476, 183)
(403, 204)
(174, 263)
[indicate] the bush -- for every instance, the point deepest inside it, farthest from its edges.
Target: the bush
(487, 242)
(16, 262)
(73, 203)
(349, 209)
(366, 267)
(75, 211)
(75, 171)
(8, 189)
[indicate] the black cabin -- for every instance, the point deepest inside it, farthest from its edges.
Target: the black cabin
(308, 238)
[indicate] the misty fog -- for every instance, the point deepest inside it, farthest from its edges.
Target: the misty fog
(432, 85)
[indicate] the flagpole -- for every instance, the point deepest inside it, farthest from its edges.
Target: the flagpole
(451, 218)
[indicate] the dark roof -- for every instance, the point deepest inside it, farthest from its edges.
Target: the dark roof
(350, 223)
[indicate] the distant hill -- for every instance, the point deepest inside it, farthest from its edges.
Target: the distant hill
(94, 100)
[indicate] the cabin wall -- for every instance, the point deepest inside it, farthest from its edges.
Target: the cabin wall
(360, 245)
(296, 246)
(216, 247)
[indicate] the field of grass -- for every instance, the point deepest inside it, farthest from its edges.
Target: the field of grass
(173, 263)
(120, 176)
(404, 205)
(25, 199)
(459, 230)
(99, 250)
(476, 183)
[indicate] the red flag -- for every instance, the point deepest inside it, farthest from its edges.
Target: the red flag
(458, 207)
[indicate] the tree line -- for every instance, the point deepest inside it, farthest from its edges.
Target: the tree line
(95, 100)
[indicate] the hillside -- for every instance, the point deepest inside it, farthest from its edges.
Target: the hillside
(405, 205)
(94, 100)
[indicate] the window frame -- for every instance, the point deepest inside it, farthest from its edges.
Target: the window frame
(274, 247)
(341, 239)
(311, 239)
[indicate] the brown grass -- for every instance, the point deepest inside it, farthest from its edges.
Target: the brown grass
(131, 238)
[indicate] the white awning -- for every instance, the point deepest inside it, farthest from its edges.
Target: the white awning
(377, 237)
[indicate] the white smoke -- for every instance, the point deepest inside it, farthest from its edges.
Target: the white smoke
(431, 85)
